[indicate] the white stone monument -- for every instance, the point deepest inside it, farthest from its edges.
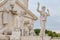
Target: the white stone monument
(43, 19)
(12, 20)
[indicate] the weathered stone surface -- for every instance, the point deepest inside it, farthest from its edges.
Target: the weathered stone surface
(4, 37)
(17, 21)
(12, 19)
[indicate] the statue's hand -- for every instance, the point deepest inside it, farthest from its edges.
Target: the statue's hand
(38, 4)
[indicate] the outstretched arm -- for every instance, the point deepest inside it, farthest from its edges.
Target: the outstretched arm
(38, 7)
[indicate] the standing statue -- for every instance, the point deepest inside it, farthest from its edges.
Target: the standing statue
(16, 29)
(43, 18)
(3, 19)
(8, 29)
(26, 30)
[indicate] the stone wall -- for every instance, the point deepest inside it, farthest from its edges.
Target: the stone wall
(34, 38)
(30, 38)
(37, 38)
(5, 37)
(56, 38)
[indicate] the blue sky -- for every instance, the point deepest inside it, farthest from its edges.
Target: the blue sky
(53, 21)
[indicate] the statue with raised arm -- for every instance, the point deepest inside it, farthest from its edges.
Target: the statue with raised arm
(43, 18)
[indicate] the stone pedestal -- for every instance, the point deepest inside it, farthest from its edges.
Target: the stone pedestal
(46, 37)
(15, 35)
(4, 37)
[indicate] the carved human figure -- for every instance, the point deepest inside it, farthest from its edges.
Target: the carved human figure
(30, 27)
(16, 29)
(15, 17)
(4, 19)
(21, 17)
(15, 34)
(8, 19)
(43, 18)
(26, 30)
(4, 16)
(12, 16)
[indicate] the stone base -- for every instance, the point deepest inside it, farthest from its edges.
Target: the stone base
(46, 37)
(4, 37)
(35, 38)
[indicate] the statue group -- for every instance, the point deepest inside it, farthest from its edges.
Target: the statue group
(26, 30)
(20, 27)
(14, 25)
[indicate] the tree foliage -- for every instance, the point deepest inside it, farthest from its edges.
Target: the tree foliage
(50, 33)
(37, 31)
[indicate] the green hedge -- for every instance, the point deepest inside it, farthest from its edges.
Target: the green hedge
(50, 33)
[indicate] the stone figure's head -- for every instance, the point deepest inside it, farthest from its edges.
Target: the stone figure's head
(43, 8)
(12, 6)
